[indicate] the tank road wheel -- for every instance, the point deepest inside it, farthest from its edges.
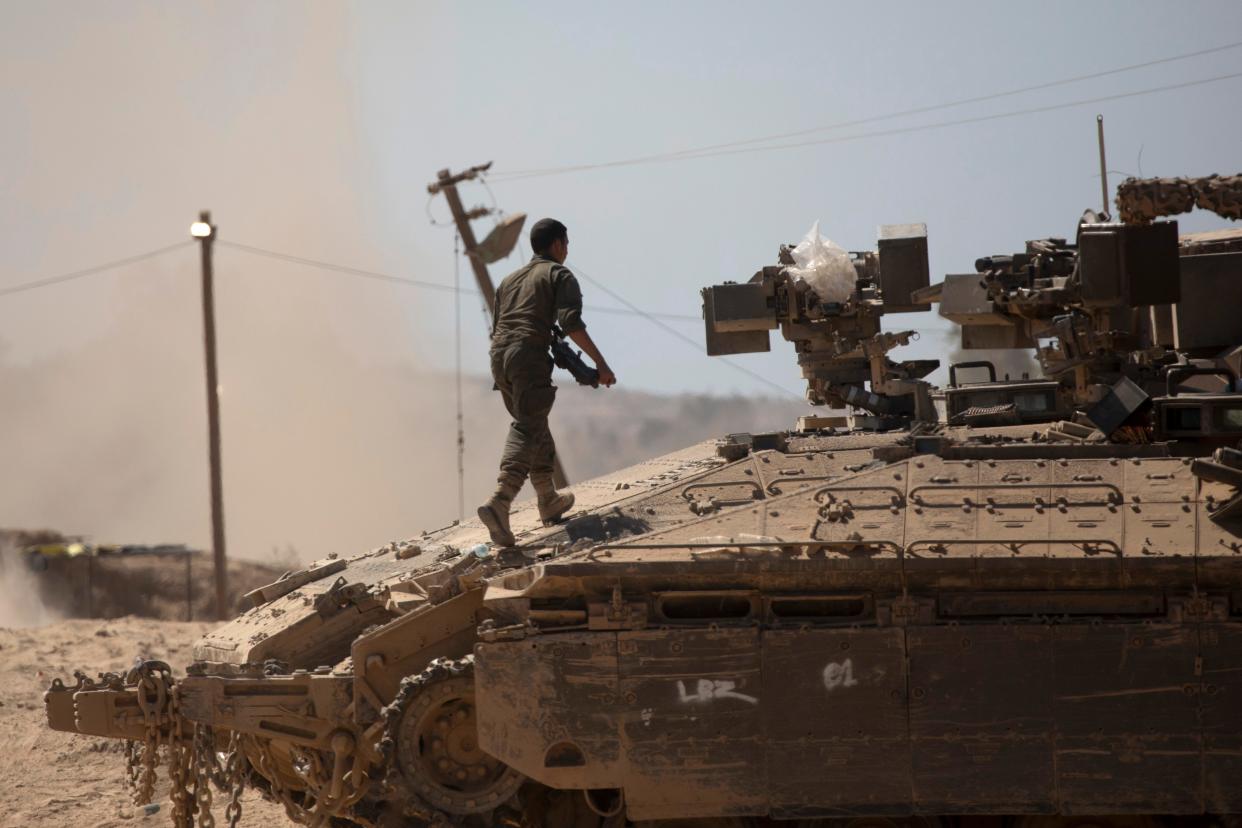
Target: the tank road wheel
(437, 744)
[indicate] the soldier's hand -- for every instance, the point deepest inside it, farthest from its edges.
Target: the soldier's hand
(607, 377)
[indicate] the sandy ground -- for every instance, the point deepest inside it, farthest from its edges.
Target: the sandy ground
(62, 779)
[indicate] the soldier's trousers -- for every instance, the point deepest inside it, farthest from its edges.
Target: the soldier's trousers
(523, 375)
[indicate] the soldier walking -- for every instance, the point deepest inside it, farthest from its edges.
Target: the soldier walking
(529, 302)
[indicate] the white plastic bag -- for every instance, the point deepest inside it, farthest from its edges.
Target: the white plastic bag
(824, 266)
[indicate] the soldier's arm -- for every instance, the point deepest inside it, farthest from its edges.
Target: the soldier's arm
(583, 340)
(569, 317)
(567, 298)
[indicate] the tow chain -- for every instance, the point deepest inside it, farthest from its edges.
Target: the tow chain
(194, 764)
(180, 765)
(235, 767)
(153, 679)
(293, 809)
(204, 759)
(188, 755)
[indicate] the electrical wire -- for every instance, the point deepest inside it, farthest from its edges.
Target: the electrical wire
(443, 225)
(630, 307)
(697, 346)
(741, 147)
(482, 179)
(981, 118)
(419, 283)
(456, 289)
(90, 271)
(352, 271)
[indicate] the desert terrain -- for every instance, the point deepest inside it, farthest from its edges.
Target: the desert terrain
(61, 779)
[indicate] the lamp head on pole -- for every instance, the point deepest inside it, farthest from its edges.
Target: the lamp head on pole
(203, 228)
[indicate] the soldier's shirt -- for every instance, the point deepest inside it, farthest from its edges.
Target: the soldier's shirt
(533, 298)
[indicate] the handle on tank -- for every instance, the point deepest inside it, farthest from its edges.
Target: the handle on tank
(982, 363)
(1179, 372)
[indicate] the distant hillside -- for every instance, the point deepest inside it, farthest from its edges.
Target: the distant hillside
(598, 432)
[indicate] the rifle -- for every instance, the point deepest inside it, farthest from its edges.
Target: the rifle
(564, 356)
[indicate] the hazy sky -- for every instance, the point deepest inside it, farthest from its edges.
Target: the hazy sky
(313, 128)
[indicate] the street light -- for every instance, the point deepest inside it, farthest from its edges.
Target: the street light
(205, 232)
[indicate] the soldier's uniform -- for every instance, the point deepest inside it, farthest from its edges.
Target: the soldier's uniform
(528, 302)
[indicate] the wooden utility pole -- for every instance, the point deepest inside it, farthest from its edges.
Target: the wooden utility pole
(205, 232)
(446, 182)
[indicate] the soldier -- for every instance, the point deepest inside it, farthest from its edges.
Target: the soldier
(528, 303)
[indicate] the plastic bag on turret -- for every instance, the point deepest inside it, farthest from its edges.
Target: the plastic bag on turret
(824, 266)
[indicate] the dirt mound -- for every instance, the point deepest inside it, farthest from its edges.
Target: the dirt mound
(37, 587)
(50, 778)
(177, 586)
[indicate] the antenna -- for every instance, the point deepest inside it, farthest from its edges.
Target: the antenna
(1099, 130)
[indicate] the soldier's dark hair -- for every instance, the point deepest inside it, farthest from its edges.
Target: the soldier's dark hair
(544, 233)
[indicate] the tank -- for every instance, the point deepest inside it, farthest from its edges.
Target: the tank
(1024, 613)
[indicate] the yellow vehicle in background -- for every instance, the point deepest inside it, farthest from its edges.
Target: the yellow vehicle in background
(36, 555)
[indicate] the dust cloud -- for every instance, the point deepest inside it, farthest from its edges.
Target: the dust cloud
(125, 124)
(323, 451)
(21, 601)
(338, 422)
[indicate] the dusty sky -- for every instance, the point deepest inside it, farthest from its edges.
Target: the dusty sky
(313, 128)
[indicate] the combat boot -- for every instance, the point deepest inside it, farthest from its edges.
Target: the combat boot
(495, 512)
(552, 504)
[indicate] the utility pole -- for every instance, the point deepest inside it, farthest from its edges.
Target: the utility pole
(446, 182)
(205, 232)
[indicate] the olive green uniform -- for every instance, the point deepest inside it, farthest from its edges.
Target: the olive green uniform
(528, 303)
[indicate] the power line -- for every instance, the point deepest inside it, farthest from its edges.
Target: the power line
(676, 317)
(90, 271)
(697, 346)
(979, 118)
(419, 283)
(352, 271)
(737, 147)
(630, 307)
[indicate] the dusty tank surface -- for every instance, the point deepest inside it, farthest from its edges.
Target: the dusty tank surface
(1034, 623)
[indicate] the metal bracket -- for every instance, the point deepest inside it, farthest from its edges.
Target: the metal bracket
(904, 611)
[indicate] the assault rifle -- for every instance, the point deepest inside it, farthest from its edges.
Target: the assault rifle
(564, 356)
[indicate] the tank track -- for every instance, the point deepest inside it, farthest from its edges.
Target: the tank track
(417, 798)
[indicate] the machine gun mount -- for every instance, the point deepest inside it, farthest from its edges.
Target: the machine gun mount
(840, 345)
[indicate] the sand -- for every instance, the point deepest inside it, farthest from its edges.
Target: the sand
(63, 779)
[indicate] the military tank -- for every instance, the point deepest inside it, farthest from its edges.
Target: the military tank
(913, 617)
